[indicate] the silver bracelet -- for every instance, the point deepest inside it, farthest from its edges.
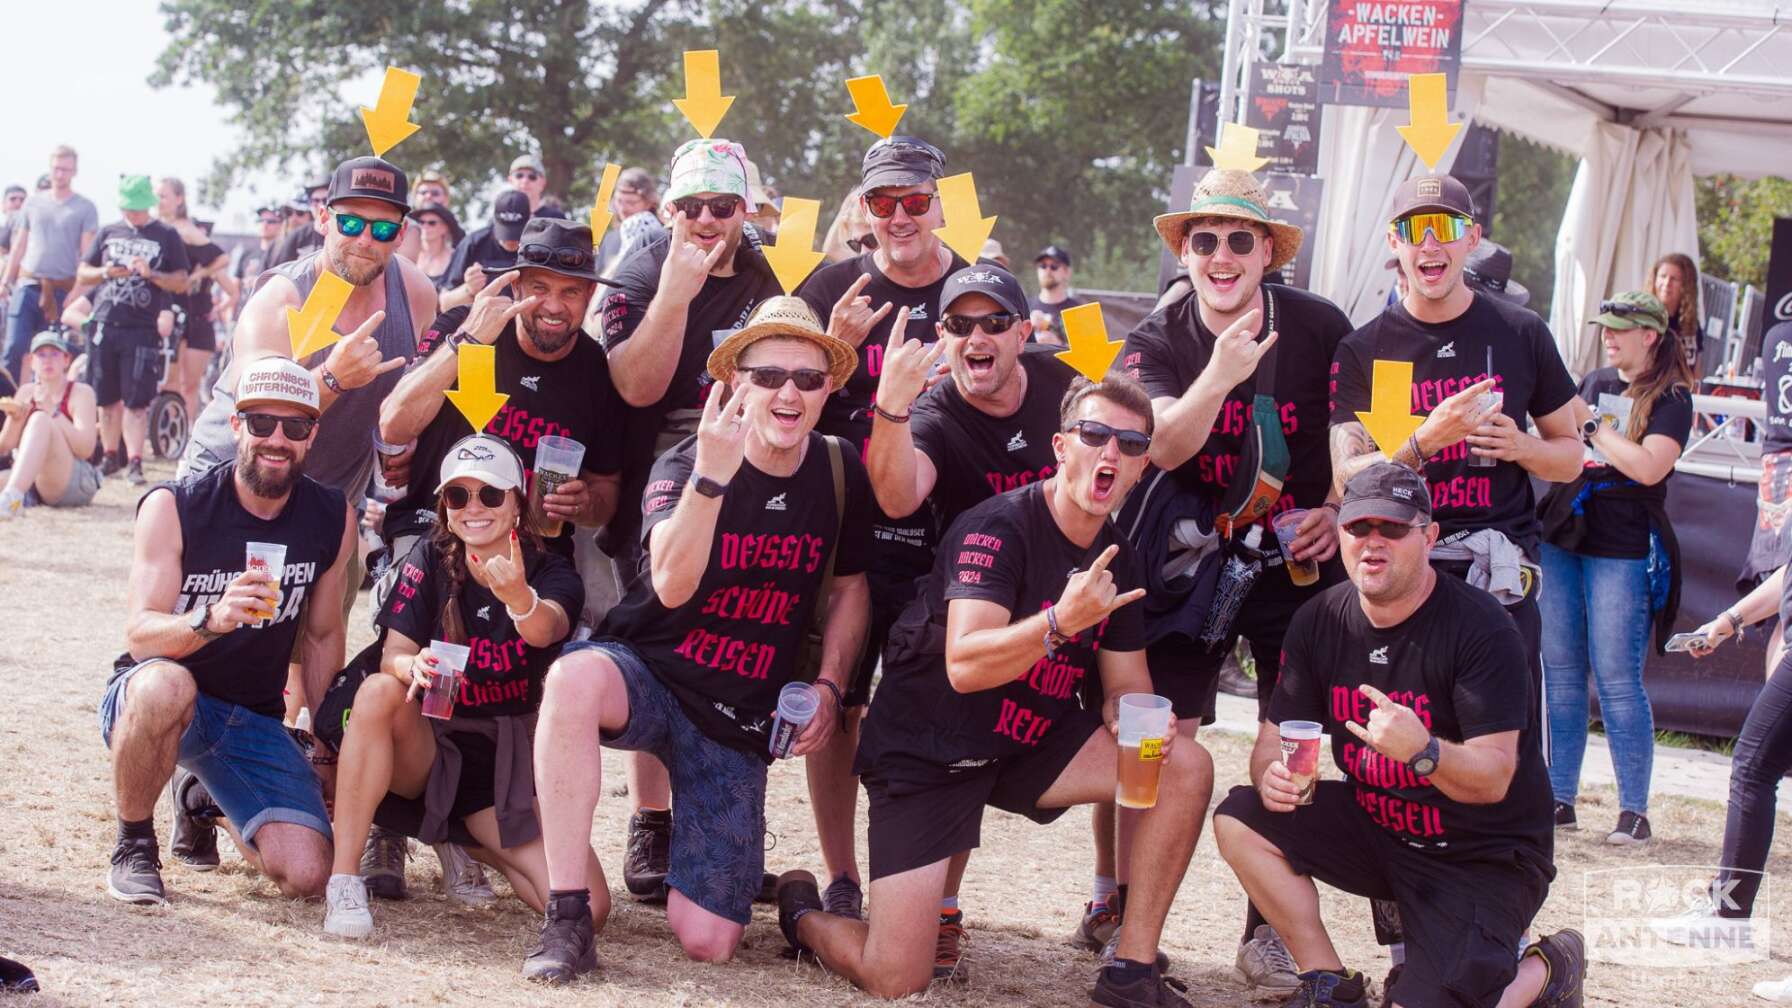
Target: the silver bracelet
(534, 602)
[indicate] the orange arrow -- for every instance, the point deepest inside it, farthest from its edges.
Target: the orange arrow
(871, 101)
(1389, 419)
(600, 206)
(966, 229)
(1237, 150)
(1086, 332)
(793, 257)
(476, 395)
(388, 123)
(1429, 129)
(309, 328)
(703, 104)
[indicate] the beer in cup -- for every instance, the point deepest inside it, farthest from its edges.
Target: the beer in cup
(1287, 526)
(797, 704)
(270, 559)
(451, 664)
(1300, 754)
(556, 461)
(1144, 725)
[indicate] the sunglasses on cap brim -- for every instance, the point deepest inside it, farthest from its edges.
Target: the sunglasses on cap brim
(1624, 309)
(565, 258)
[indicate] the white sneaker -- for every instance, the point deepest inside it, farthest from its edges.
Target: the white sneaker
(1264, 962)
(1779, 991)
(1701, 927)
(345, 907)
(463, 879)
(10, 504)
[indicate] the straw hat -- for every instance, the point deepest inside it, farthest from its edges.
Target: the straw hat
(1227, 192)
(784, 316)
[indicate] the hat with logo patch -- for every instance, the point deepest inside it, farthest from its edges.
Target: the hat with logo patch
(369, 178)
(278, 380)
(1054, 252)
(900, 161)
(992, 282)
(1632, 310)
(484, 458)
(1432, 192)
(1388, 491)
(510, 214)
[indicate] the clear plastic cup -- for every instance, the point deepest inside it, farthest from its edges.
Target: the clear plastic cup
(270, 559)
(1490, 404)
(1300, 754)
(557, 460)
(438, 699)
(1287, 526)
(1144, 725)
(797, 704)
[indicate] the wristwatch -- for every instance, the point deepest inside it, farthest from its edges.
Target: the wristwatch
(708, 487)
(197, 620)
(1425, 763)
(1588, 428)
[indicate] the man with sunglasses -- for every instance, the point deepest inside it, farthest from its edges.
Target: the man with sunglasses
(1035, 593)
(252, 259)
(485, 252)
(1052, 265)
(1445, 808)
(200, 687)
(304, 227)
(528, 177)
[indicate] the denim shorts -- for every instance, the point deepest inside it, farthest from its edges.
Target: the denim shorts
(249, 762)
(718, 793)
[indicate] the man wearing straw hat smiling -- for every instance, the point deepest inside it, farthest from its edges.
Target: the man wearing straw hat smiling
(745, 524)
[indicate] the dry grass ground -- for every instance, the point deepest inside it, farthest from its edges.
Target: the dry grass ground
(228, 938)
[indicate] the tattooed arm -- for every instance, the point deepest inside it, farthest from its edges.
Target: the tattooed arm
(1353, 451)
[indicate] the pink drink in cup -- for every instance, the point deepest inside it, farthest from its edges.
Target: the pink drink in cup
(451, 664)
(1300, 754)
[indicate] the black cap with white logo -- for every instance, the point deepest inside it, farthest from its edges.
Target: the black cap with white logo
(991, 281)
(1388, 491)
(509, 215)
(370, 178)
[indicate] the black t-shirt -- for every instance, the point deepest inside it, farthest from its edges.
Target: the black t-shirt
(571, 397)
(977, 456)
(199, 303)
(479, 248)
(1458, 662)
(1619, 526)
(728, 650)
(1446, 358)
(250, 263)
(1776, 367)
(504, 672)
(1056, 311)
(131, 302)
(1010, 551)
(294, 245)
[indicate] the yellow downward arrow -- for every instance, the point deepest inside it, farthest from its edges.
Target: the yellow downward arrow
(477, 396)
(1091, 352)
(1429, 130)
(793, 257)
(966, 229)
(388, 123)
(600, 207)
(1238, 149)
(871, 101)
(309, 328)
(1389, 419)
(703, 103)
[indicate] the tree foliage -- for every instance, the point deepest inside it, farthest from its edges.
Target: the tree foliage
(1534, 182)
(1736, 225)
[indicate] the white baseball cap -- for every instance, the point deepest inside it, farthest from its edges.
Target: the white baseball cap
(486, 459)
(278, 380)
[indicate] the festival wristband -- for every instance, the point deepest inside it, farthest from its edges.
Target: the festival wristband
(839, 700)
(892, 417)
(330, 380)
(1054, 638)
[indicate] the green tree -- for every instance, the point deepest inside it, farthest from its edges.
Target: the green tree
(1533, 192)
(1736, 225)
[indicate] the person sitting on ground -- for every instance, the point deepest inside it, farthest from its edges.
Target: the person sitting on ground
(1424, 690)
(467, 775)
(209, 637)
(1028, 598)
(50, 429)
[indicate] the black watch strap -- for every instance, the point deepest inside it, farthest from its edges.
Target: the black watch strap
(708, 487)
(198, 619)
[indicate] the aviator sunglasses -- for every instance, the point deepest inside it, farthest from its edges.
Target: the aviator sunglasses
(1096, 435)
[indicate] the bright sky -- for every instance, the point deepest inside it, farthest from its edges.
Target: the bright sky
(77, 72)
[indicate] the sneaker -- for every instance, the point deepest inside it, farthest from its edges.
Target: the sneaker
(1779, 991)
(196, 817)
(1701, 927)
(1264, 962)
(1387, 985)
(1565, 817)
(11, 504)
(1320, 989)
(16, 977)
(949, 960)
(382, 863)
(844, 898)
(136, 875)
(1566, 955)
(463, 879)
(649, 855)
(111, 464)
(565, 948)
(1153, 991)
(133, 473)
(1097, 927)
(1111, 951)
(797, 898)
(345, 907)
(1233, 678)
(1632, 831)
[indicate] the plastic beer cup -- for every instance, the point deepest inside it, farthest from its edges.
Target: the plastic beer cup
(451, 664)
(1287, 526)
(1144, 725)
(797, 704)
(1300, 754)
(556, 461)
(269, 558)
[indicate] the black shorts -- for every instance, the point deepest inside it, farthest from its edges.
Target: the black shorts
(200, 335)
(922, 813)
(476, 792)
(1463, 919)
(125, 366)
(889, 596)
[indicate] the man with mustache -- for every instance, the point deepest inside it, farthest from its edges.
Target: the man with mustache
(209, 637)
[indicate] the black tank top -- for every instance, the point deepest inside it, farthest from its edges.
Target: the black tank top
(248, 666)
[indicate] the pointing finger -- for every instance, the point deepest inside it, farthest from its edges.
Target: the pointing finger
(1107, 557)
(1268, 341)
(715, 255)
(1131, 596)
(521, 306)
(877, 316)
(1359, 731)
(1246, 323)
(1377, 697)
(391, 365)
(853, 291)
(502, 282)
(366, 329)
(681, 228)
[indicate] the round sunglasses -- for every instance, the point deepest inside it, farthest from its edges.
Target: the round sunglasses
(1096, 435)
(1206, 243)
(458, 497)
(351, 226)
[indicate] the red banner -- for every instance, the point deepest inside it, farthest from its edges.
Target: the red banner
(1371, 46)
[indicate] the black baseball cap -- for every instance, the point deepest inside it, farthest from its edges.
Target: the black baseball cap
(1432, 192)
(509, 214)
(900, 161)
(369, 178)
(558, 246)
(987, 279)
(1053, 252)
(1388, 491)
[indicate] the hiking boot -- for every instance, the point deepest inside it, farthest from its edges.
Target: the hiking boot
(345, 907)
(1324, 989)
(565, 948)
(949, 960)
(133, 473)
(1565, 817)
(136, 875)
(649, 855)
(1111, 951)
(1632, 831)
(844, 898)
(1264, 962)
(1234, 680)
(797, 898)
(1387, 985)
(195, 842)
(1566, 955)
(1151, 991)
(1097, 927)
(463, 879)
(382, 863)
(111, 464)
